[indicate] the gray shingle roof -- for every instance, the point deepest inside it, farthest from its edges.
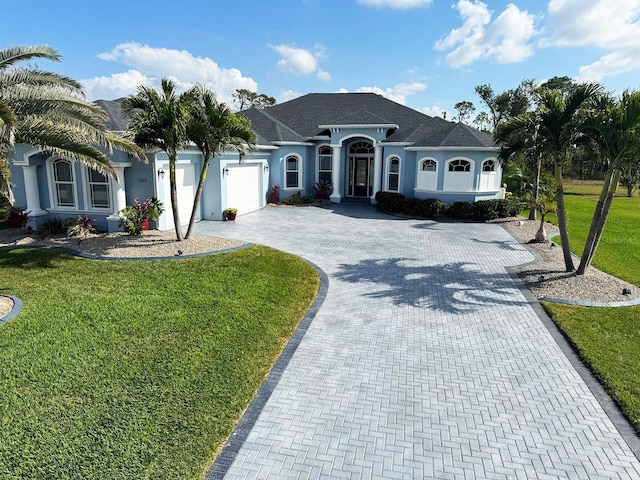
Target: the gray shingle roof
(300, 119)
(116, 121)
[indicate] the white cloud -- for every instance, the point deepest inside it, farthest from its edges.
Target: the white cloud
(505, 40)
(397, 4)
(434, 111)
(150, 64)
(614, 27)
(322, 75)
(287, 95)
(296, 60)
(117, 85)
(301, 61)
(600, 23)
(397, 93)
(610, 65)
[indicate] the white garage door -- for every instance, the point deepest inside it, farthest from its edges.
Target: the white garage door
(186, 190)
(243, 187)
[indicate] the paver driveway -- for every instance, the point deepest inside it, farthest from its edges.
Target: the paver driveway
(424, 361)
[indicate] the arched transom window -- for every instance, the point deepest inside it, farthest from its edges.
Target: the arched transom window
(393, 176)
(100, 196)
(429, 165)
(459, 166)
(325, 159)
(362, 147)
(63, 183)
(489, 166)
(292, 166)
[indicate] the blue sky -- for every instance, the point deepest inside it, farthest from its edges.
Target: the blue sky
(426, 54)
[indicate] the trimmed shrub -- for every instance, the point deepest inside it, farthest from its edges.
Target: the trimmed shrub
(461, 210)
(53, 226)
(484, 210)
(390, 202)
(298, 199)
(432, 208)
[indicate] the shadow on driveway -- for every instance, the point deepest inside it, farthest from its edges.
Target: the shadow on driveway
(455, 288)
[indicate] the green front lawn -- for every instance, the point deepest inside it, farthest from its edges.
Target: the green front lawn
(607, 338)
(124, 369)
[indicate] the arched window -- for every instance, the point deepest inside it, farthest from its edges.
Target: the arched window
(429, 165)
(393, 175)
(325, 160)
(100, 196)
(458, 176)
(459, 166)
(489, 166)
(292, 172)
(362, 147)
(64, 195)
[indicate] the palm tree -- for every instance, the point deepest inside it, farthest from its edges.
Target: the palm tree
(557, 126)
(159, 119)
(213, 128)
(615, 129)
(48, 110)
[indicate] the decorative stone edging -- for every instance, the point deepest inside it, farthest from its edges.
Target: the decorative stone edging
(584, 303)
(17, 306)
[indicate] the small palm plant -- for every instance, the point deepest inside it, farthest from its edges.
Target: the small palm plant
(545, 205)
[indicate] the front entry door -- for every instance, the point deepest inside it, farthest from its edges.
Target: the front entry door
(360, 176)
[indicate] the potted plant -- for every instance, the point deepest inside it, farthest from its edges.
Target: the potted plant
(322, 188)
(135, 218)
(275, 194)
(230, 213)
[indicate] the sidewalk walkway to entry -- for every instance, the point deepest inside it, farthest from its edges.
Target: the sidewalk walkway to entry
(425, 360)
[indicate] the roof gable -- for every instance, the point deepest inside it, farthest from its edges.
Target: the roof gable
(361, 117)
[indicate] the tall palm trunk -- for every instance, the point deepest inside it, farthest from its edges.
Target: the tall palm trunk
(605, 214)
(196, 200)
(174, 197)
(562, 220)
(589, 246)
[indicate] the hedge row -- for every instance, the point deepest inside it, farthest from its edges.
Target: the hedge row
(432, 208)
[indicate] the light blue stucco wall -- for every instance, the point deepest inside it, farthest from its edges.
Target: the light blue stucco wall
(443, 158)
(28, 155)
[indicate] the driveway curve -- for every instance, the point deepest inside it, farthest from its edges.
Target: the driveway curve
(425, 360)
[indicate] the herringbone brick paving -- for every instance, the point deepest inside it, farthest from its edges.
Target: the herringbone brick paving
(424, 361)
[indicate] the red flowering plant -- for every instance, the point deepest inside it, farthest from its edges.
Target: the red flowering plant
(79, 227)
(132, 216)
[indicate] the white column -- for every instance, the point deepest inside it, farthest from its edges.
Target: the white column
(31, 190)
(120, 196)
(377, 171)
(336, 168)
(120, 199)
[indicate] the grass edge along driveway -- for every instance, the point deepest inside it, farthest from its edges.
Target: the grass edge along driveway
(120, 369)
(608, 339)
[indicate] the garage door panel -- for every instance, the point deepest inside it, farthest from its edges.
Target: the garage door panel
(243, 188)
(185, 189)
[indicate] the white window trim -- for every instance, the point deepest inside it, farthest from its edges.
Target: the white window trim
(318, 162)
(468, 160)
(495, 166)
(422, 160)
(86, 190)
(388, 169)
(430, 174)
(53, 198)
(300, 177)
